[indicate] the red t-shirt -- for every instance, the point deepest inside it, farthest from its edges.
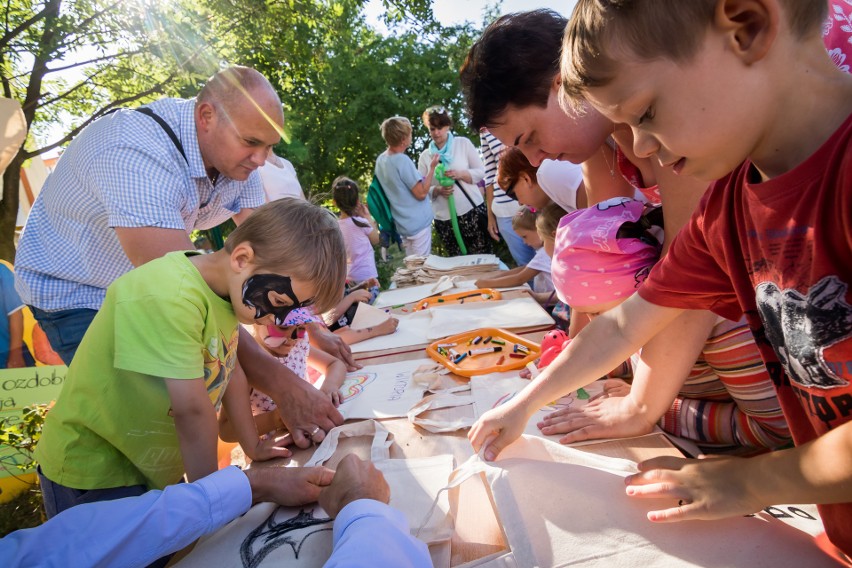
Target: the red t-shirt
(780, 252)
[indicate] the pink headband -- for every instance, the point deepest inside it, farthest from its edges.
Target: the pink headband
(590, 265)
(298, 316)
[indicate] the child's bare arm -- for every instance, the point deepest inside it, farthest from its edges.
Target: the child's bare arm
(237, 408)
(195, 422)
(351, 336)
(334, 370)
(665, 363)
(515, 277)
(484, 280)
(608, 340)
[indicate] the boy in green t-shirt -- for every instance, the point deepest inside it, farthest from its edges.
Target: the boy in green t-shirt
(138, 409)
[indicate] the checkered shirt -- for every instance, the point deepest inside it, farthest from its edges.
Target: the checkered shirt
(121, 171)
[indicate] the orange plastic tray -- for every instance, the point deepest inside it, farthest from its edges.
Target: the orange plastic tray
(484, 363)
(478, 295)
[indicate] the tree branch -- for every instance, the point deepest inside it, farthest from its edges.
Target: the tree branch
(95, 60)
(86, 81)
(114, 104)
(25, 25)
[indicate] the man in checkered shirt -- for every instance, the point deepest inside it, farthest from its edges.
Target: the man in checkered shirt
(131, 187)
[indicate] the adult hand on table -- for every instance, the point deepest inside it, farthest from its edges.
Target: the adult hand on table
(354, 479)
(324, 340)
(307, 412)
(703, 489)
(498, 428)
(287, 486)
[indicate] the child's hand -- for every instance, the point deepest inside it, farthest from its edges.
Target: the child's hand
(334, 395)
(387, 327)
(498, 428)
(335, 374)
(360, 296)
(269, 447)
(362, 211)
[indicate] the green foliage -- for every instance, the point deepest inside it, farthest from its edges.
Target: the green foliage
(22, 436)
(338, 78)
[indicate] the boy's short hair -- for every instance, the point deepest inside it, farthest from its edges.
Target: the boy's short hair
(512, 164)
(395, 130)
(524, 220)
(671, 29)
(513, 63)
(437, 117)
(300, 237)
(548, 219)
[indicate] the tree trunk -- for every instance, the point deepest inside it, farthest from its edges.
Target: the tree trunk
(9, 207)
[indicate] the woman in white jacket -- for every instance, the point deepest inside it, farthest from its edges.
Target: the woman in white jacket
(463, 165)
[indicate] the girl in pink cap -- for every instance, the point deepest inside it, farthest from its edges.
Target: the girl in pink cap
(712, 389)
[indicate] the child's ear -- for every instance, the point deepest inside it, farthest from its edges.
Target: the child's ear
(752, 26)
(241, 256)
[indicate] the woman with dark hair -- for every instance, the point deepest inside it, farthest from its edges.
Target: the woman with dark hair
(460, 201)
(536, 186)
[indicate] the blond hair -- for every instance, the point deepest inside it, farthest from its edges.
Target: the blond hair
(524, 219)
(302, 238)
(601, 31)
(548, 219)
(395, 130)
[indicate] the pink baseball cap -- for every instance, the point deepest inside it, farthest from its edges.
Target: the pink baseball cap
(592, 264)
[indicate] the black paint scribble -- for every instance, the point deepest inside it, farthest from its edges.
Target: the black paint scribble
(801, 327)
(270, 535)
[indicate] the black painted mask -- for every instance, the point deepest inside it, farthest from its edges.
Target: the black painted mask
(256, 295)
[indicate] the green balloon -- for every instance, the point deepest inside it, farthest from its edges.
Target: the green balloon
(441, 178)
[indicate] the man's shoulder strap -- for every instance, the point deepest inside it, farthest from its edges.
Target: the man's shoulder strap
(165, 126)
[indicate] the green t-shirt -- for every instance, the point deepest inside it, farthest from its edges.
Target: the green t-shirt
(111, 425)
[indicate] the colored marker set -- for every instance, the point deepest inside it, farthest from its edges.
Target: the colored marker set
(483, 351)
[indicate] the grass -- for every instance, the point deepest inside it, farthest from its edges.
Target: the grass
(22, 512)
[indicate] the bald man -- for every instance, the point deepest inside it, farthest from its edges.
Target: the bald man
(131, 187)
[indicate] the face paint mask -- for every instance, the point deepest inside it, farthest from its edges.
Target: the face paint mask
(256, 295)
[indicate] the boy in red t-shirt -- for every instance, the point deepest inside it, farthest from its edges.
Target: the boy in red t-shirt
(713, 83)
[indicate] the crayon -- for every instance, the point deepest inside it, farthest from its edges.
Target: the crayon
(460, 358)
(498, 341)
(487, 339)
(477, 339)
(501, 359)
(484, 350)
(440, 300)
(517, 355)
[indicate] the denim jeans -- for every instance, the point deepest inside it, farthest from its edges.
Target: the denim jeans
(57, 497)
(520, 251)
(64, 329)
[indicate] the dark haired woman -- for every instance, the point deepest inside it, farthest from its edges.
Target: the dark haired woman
(463, 169)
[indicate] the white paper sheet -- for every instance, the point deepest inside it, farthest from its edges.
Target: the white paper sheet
(368, 316)
(412, 330)
(510, 314)
(587, 519)
(410, 294)
(453, 262)
(382, 391)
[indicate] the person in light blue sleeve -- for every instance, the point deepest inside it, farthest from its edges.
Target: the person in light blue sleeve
(130, 532)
